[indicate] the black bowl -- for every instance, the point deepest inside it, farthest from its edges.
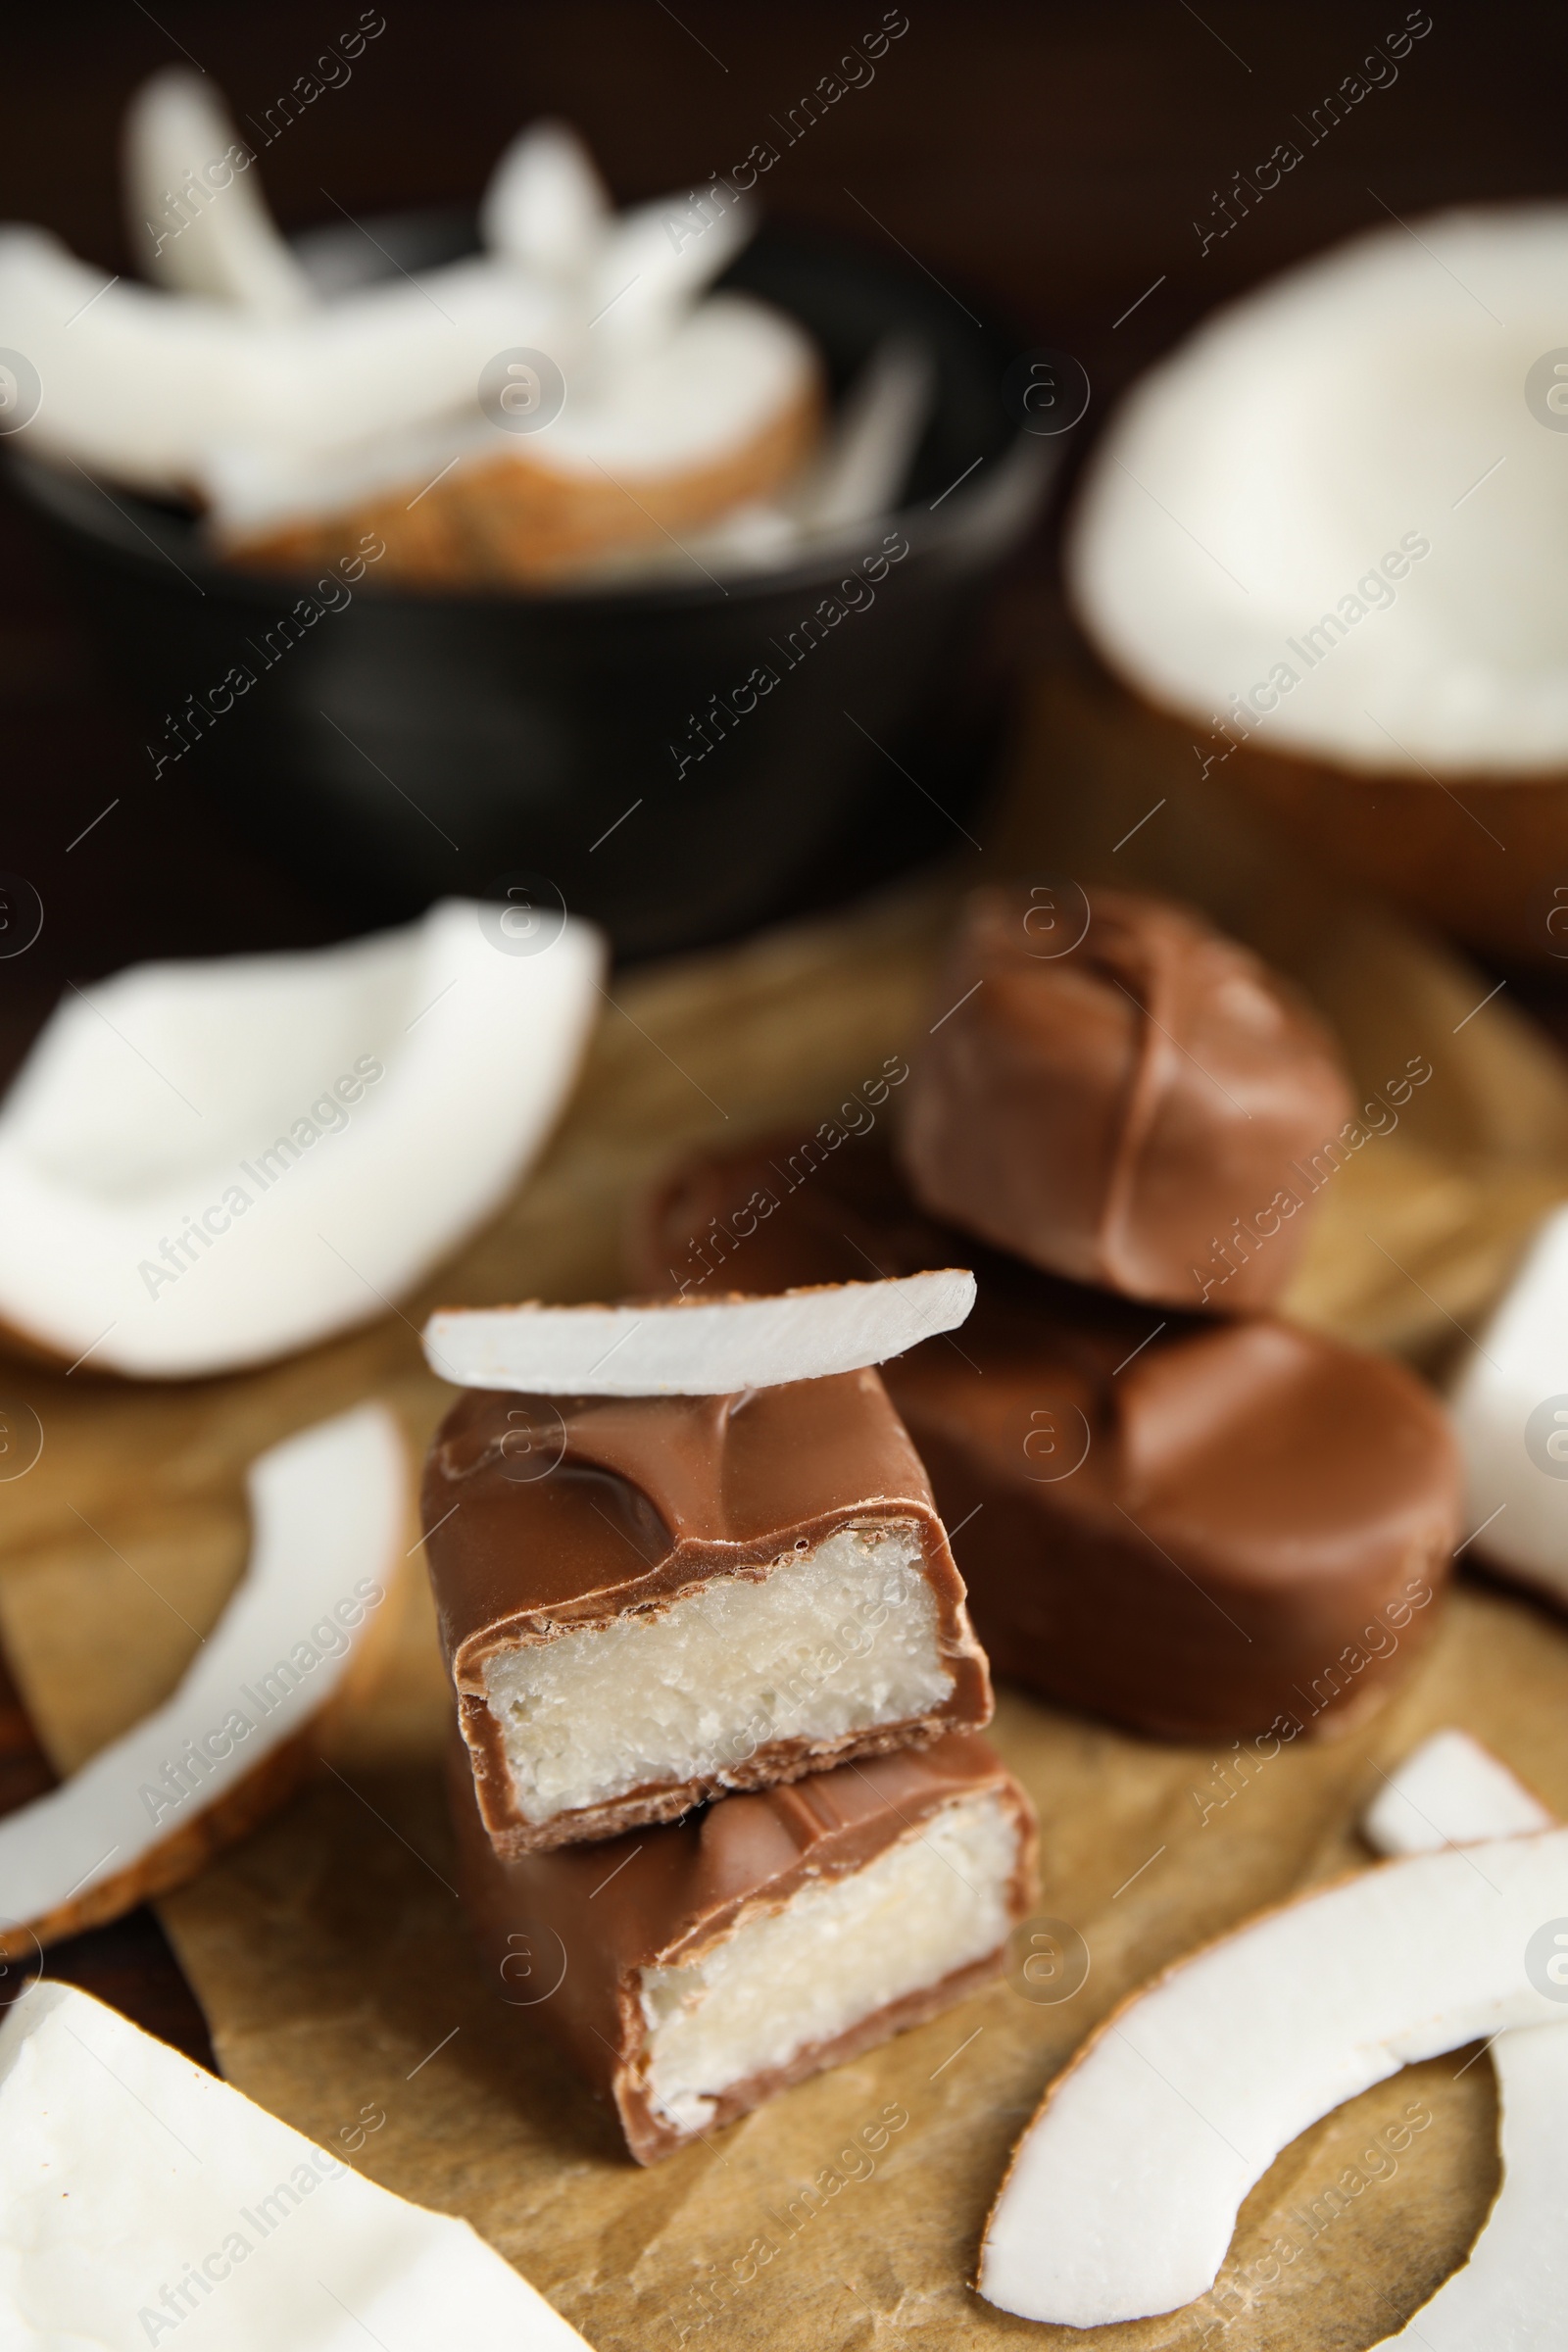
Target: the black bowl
(408, 747)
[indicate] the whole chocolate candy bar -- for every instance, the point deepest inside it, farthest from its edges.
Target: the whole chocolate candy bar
(694, 1970)
(1149, 1107)
(645, 1601)
(1195, 1528)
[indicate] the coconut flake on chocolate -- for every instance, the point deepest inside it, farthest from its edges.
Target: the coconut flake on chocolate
(1510, 1413)
(1122, 2195)
(137, 2191)
(205, 1164)
(327, 1511)
(1450, 1790)
(1265, 525)
(694, 1347)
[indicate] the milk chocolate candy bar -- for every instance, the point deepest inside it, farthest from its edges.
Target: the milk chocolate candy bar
(1143, 1108)
(1195, 1528)
(693, 1969)
(645, 1601)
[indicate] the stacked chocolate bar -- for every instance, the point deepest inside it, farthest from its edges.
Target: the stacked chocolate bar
(723, 1813)
(1174, 1508)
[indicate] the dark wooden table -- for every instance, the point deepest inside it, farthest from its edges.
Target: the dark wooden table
(1072, 165)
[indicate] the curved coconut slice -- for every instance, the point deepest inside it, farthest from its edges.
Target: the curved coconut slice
(694, 1347)
(545, 206)
(204, 230)
(1509, 2295)
(1123, 2194)
(1265, 507)
(857, 476)
(135, 2188)
(1510, 1412)
(1450, 1790)
(327, 1511)
(138, 384)
(207, 1164)
(644, 283)
(876, 432)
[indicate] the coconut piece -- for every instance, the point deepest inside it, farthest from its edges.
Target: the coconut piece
(1508, 2295)
(1510, 1411)
(209, 1163)
(694, 1347)
(327, 1513)
(1122, 2195)
(216, 236)
(858, 475)
(138, 384)
(1264, 477)
(136, 2189)
(717, 409)
(545, 206)
(862, 472)
(1450, 1790)
(1322, 597)
(649, 277)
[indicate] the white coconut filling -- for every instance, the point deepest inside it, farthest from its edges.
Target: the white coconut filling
(829, 1641)
(843, 1949)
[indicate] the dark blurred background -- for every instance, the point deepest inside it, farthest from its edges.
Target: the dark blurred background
(1064, 164)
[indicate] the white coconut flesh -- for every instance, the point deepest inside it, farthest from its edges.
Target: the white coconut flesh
(243, 385)
(1273, 476)
(138, 384)
(1512, 2294)
(1510, 1412)
(328, 1512)
(545, 206)
(701, 394)
(1123, 2194)
(1450, 1790)
(211, 1163)
(708, 1348)
(200, 231)
(139, 2193)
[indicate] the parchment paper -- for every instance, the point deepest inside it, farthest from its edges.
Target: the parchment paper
(329, 1952)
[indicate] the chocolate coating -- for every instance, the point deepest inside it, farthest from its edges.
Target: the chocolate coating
(601, 1914)
(1195, 1528)
(1126, 1113)
(652, 1496)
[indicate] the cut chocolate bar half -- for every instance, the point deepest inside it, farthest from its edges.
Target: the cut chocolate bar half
(647, 1601)
(694, 1970)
